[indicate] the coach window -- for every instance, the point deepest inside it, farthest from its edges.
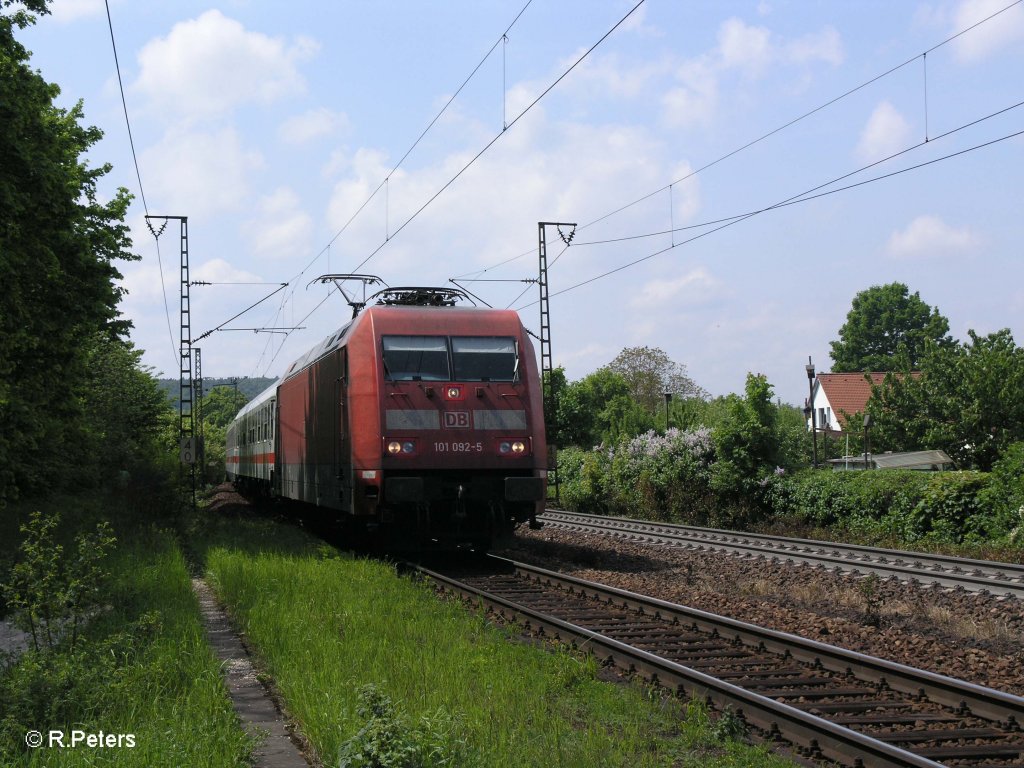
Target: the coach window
(416, 358)
(484, 358)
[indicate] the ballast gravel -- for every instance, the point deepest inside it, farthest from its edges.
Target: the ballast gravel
(971, 636)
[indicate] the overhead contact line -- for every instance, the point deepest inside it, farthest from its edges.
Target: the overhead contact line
(804, 197)
(138, 175)
(767, 135)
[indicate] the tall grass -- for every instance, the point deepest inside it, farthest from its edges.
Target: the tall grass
(343, 636)
(143, 668)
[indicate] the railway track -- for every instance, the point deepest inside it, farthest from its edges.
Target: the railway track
(971, 575)
(823, 703)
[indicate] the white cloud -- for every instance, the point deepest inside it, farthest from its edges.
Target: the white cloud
(698, 286)
(695, 100)
(931, 237)
(313, 124)
(197, 171)
(986, 39)
(553, 172)
(207, 66)
(636, 24)
(67, 11)
(743, 46)
(616, 76)
(142, 279)
(885, 133)
(283, 231)
(826, 46)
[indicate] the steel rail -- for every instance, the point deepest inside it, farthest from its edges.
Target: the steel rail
(816, 736)
(944, 570)
(984, 702)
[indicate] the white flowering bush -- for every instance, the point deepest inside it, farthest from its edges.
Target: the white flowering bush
(664, 477)
(720, 476)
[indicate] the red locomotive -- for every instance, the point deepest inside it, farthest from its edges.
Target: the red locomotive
(419, 420)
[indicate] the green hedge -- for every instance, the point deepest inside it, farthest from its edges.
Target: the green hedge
(945, 507)
(673, 478)
(677, 477)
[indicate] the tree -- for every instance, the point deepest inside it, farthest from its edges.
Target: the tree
(598, 408)
(650, 373)
(123, 407)
(886, 321)
(747, 447)
(220, 407)
(967, 401)
(222, 404)
(58, 245)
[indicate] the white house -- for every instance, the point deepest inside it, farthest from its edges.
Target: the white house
(838, 395)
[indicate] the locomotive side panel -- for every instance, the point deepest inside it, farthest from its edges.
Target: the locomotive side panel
(363, 396)
(294, 418)
(313, 459)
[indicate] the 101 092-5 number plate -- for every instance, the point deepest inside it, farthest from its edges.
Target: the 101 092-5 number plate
(458, 447)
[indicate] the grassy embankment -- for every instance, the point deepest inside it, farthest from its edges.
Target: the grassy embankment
(142, 666)
(374, 666)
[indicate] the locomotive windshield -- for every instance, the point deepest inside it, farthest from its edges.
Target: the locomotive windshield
(459, 358)
(483, 358)
(416, 358)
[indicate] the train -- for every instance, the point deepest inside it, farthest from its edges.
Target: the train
(418, 424)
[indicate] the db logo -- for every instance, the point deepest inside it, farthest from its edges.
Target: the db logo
(456, 420)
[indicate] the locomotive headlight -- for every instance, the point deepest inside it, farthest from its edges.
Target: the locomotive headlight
(408, 446)
(454, 393)
(512, 447)
(394, 447)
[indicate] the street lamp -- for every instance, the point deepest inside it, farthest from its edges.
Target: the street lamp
(668, 399)
(810, 402)
(867, 423)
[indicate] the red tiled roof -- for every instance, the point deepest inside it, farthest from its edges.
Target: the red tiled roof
(848, 393)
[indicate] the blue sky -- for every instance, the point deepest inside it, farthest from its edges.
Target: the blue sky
(269, 128)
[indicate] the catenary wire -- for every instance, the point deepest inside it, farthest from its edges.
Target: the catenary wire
(791, 201)
(489, 144)
(836, 180)
(769, 134)
(493, 141)
(138, 175)
(807, 114)
(384, 182)
(409, 151)
(749, 144)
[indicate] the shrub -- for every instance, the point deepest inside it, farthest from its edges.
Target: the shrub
(1003, 498)
(949, 510)
(388, 740)
(945, 507)
(661, 477)
(581, 480)
(877, 503)
(50, 594)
